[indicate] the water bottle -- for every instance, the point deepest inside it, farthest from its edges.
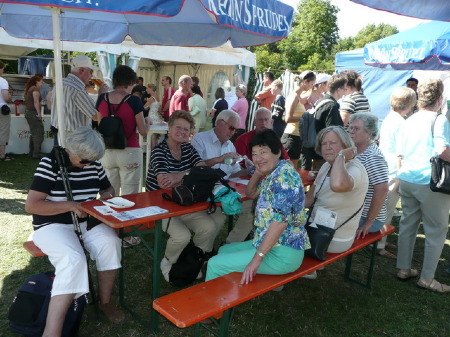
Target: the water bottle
(232, 161)
(249, 165)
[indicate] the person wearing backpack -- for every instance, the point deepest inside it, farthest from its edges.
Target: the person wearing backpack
(326, 113)
(54, 230)
(123, 164)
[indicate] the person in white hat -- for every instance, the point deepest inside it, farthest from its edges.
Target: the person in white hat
(78, 106)
(326, 114)
(318, 90)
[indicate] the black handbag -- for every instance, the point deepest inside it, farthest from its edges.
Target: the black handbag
(320, 237)
(440, 171)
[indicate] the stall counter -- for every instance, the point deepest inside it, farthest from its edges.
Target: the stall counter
(20, 135)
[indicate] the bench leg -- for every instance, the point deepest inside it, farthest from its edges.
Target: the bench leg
(155, 254)
(348, 268)
(220, 328)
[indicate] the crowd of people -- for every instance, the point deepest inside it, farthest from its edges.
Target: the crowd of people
(360, 173)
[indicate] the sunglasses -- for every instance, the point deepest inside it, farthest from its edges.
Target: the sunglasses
(86, 162)
(230, 127)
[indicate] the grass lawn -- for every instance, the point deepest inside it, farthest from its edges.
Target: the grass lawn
(325, 307)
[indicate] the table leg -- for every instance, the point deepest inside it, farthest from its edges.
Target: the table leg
(155, 272)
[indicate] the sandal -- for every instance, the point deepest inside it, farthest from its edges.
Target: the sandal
(404, 274)
(130, 241)
(390, 246)
(434, 286)
(383, 252)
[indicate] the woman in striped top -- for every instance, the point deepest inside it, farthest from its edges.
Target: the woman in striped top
(54, 230)
(363, 129)
(356, 101)
(170, 161)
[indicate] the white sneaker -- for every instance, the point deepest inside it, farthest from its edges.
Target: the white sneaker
(165, 268)
(311, 276)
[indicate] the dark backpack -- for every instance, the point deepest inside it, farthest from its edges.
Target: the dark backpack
(28, 312)
(187, 267)
(308, 125)
(111, 127)
(200, 182)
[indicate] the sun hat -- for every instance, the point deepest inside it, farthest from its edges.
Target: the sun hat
(82, 61)
(320, 78)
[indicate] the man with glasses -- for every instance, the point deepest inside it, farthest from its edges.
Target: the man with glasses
(214, 146)
(327, 114)
(77, 105)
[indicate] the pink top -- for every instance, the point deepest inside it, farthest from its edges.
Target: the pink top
(241, 107)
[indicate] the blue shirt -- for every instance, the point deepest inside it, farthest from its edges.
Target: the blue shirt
(417, 145)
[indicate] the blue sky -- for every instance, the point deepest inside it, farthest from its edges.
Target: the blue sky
(353, 17)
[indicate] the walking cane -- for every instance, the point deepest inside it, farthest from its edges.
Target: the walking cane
(60, 155)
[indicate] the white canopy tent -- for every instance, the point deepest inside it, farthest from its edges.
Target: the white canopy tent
(223, 55)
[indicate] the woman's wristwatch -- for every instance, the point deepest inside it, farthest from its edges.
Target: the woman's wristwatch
(340, 154)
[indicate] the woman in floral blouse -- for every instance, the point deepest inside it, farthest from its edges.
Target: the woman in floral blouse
(280, 238)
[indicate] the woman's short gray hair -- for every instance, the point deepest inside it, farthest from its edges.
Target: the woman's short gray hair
(343, 136)
(369, 120)
(242, 88)
(86, 143)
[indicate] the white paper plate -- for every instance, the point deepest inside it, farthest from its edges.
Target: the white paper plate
(119, 202)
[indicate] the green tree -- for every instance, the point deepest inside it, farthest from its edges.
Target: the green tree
(268, 56)
(315, 31)
(318, 63)
(372, 33)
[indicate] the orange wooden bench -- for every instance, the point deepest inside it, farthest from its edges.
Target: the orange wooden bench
(218, 297)
(33, 249)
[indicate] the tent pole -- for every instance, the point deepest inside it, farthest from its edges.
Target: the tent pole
(58, 74)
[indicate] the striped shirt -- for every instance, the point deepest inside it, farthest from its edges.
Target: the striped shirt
(162, 161)
(85, 183)
(377, 171)
(355, 102)
(79, 108)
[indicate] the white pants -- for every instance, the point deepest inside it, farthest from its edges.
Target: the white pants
(65, 253)
(124, 169)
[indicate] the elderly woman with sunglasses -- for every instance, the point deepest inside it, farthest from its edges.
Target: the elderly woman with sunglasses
(54, 230)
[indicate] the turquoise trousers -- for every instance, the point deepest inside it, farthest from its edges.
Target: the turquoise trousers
(236, 256)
